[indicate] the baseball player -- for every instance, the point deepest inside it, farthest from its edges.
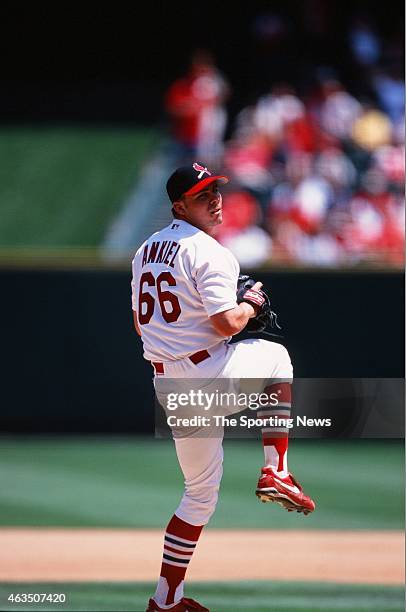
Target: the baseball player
(185, 309)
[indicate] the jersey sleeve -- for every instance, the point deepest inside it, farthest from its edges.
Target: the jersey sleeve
(133, 295)
(216, 275)
(135, 275)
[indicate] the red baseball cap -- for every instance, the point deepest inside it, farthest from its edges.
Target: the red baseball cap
(188, 180)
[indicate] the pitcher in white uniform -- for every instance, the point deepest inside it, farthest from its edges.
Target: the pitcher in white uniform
(185, 310)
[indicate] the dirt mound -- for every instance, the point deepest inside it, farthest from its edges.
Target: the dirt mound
(372, 557)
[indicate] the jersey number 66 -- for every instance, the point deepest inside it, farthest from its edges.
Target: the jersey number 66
(163, 297)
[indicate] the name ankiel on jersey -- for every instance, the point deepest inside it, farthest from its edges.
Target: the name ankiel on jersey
(160, 252)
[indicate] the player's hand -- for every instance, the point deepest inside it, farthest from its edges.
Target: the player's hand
(251, 300)
(250, 291)
(258, 285)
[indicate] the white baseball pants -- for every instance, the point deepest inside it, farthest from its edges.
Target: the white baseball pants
(201, 458)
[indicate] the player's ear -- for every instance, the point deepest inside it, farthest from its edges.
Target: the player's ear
(179, 207)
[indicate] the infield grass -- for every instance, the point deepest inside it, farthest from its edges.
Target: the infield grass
(136, 482)
(218, 597)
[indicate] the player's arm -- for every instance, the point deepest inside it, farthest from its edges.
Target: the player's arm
(232, 322)
(136, 325)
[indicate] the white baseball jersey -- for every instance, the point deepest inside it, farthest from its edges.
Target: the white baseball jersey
(181, 277)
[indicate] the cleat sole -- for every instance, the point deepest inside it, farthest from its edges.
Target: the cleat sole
(272, 495)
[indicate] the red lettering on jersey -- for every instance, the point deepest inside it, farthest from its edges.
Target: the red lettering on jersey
(169, 252)
(153, 251)
(159, 259)
(144, 255)
(166, 252)
(174, 255)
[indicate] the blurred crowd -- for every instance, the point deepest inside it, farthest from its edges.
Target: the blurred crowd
(316, 178)
(319, 181)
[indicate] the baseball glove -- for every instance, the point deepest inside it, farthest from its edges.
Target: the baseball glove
(266, 317)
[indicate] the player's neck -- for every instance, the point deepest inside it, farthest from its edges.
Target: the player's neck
(207, 230)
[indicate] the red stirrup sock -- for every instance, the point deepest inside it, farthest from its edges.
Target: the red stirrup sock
(275, 438)
(179, 545)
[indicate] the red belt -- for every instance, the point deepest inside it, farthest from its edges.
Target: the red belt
(196, 358)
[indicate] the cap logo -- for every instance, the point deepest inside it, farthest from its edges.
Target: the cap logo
(201, 170)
